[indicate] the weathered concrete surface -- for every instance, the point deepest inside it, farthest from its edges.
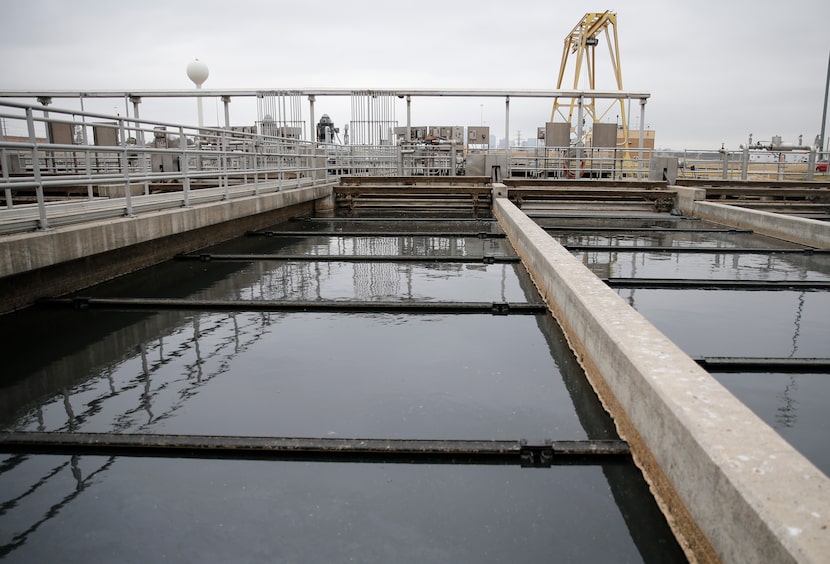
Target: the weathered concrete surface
(810, 232)
(731, 487)
(65, 259)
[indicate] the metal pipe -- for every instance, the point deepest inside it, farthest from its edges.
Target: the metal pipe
(226, 100)
(507, 135)
(697, 250)
(311, 100)
(471, 259)
(409, 119)
(707, 284)
(456, 234)
(199, 106)
(417, 92)
(337, 306)
(765, 364)
(411, 451)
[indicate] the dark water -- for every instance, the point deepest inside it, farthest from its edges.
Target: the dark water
(729, 323)
(708, 266)
(739, 323)
(95, 509)
(256, 373)
(795, 405)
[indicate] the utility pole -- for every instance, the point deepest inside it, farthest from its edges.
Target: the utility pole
(824, 112)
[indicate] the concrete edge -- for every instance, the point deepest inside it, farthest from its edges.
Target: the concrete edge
(730, 486)
(25, 252)
(804, 231)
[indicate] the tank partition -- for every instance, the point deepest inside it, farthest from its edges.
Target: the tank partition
(732, 488)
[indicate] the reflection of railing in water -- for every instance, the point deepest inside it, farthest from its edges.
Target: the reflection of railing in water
(82, 483)
(126, 377)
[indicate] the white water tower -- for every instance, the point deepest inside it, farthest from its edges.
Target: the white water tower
(198, 72)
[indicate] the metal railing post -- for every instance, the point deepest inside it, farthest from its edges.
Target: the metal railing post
(224, 164)
(4, 165)
(41, 202)
(184, 169)
(642, 138)
(811, 164)
(125, 167)
(725, 159)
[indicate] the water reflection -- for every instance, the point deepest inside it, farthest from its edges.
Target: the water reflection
(294, 511)
(714, 265)
(13, 535)
(793, 404)
(314, 375)
(680, 239)
(730, 323)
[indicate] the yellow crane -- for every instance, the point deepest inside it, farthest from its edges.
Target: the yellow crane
(582, 41)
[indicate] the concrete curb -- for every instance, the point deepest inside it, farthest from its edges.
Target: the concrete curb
(29, 251)
(731, 487)
(810, 232)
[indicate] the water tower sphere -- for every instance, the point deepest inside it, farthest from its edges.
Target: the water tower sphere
(197, 71)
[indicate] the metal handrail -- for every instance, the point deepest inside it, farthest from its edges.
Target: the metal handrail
(181, 155)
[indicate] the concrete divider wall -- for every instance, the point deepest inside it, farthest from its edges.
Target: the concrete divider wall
(65, 259)
(810, 232)
(731, 487)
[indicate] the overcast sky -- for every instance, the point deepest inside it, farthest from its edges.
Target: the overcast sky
(716, 70)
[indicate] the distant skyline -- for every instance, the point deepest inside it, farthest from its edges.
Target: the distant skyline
(716, 71)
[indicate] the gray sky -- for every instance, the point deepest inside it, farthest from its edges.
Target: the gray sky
(716, 70)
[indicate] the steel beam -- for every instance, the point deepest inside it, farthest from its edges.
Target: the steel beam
(763, 364)
(334, 306)
(705, 250)
(474, 259)
(420, 234)
(686, 284)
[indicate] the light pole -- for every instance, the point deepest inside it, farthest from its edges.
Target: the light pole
(824, 112)
(197, 71)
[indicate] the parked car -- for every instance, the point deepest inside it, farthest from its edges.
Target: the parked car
(821, 166)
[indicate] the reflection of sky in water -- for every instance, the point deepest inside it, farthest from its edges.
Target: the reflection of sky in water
(416, 245)
(405, 246)
(327, 375)
(795, 405)
(712, 266)
(739, 323)
(671, 239)
(271, 280)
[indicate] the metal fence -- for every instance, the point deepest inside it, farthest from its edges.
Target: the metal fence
(70, 164)
(73, 163)
(752, 164)
(620, 164)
